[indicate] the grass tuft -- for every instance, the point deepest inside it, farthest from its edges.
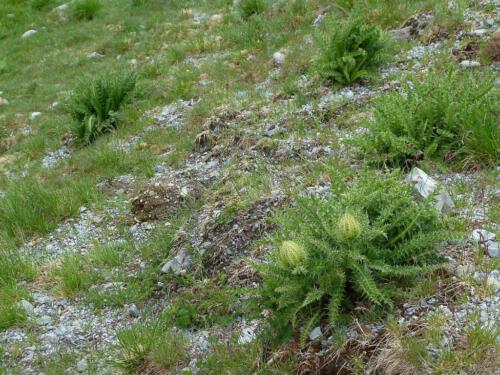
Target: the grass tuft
(85, 10)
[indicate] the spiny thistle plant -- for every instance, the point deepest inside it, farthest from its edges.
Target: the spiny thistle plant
(348, 51)
(451, 116)
(95, 104)
(357, 245)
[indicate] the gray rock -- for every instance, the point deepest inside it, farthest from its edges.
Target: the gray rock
(481, 235)
(82, 365)
(492, 249)
(133, 311)
(315, 333)
(444, 203)
(29, 33)
(26, 306)
(179, 264)
(404, 33)
(94, 55)
(44, 320)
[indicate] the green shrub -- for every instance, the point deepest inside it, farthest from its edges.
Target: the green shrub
(446, 116)
(95, 104)
(348, 51)
(85, 10)
(361, 243)
(248, 8)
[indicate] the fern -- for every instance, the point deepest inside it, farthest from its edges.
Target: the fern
(348, 52)
(398, 241)
(95, 104)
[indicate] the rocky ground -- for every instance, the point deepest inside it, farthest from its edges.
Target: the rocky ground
(224, 229)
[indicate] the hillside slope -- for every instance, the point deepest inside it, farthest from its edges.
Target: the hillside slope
(249, 187)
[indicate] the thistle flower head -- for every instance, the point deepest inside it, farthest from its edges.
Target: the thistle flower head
(349, 227)
(291, 254)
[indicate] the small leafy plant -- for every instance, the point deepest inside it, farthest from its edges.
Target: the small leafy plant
(360, 244)
(95, 104)
(85, 10)
(447, 116)
(248, 8)
(348, 51)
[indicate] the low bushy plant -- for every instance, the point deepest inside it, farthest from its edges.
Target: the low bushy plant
(348, 51)
(85, 10)
(248, 8)
(358, 245)
(447, 116)
(95, 104)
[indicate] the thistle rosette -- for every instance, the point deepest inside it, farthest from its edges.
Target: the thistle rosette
(291, 254)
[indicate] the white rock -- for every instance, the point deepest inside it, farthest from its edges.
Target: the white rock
(279, 58)
(94, 55)
(3, 101)
(54, 105)
(315, 333)
(470, 64)
(34, 115)
(28, 34)
(478, 32)
(424, 184)
(133, 62)
(82, 365)
(61, 8)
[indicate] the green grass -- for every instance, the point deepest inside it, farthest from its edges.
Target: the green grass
(36, 207)
(14, 268)
(85, 10)
(151, 347)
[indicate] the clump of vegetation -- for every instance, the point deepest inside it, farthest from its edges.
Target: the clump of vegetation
(360, 244)
(14, 268)
(41, 4)
(85, 10)
(348, 51)
(151, 348)
(95, 104)
(248, 8)
(446, 116)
